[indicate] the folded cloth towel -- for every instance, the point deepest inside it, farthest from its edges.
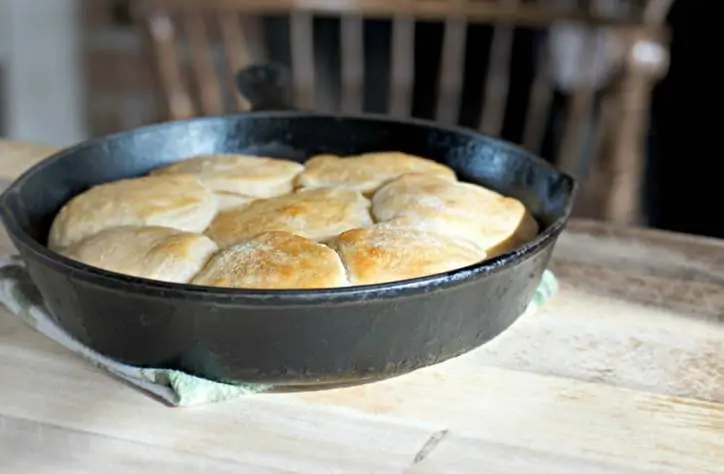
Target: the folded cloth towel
(20, 296)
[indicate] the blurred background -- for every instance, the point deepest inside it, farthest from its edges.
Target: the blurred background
(615, 92)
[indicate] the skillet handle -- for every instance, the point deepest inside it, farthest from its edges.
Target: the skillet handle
(266, 87)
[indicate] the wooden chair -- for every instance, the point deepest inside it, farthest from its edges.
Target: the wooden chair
(199, 44)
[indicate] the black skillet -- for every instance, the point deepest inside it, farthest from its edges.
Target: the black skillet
(298, 338)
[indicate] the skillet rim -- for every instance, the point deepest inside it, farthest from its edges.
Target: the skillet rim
(381, 291)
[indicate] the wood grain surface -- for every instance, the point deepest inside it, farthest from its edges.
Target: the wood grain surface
(621, 372)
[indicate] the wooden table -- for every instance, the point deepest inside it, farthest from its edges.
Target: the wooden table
(622, 372)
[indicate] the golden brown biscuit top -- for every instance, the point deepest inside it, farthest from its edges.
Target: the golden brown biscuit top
(492, 221)
(261, 234)
(316, 214)
(242, 174)
(380, 255)
(158, 253)
(365, 173)
(274, 260)
(180, 202)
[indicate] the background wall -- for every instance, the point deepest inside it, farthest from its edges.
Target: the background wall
(42, 85)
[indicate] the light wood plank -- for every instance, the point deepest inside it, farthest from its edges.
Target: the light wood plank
(456, 454)
(17, 157)
(41, 448)
(379, 427)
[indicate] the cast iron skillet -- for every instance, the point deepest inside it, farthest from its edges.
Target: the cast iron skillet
(298, 338)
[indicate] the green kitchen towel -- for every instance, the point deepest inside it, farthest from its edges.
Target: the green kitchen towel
(20, 296)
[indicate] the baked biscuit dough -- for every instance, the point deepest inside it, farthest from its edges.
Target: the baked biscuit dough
(239, 174)
(180, 202)
(316, 214)
(365, 173)
(271, 237)
(381, 255)
(228, 201)
(493, 222)
(158, 253)
(276, 261)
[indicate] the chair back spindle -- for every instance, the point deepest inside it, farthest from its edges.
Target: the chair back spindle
(199, 45)
(402, 66)
(302, 48)
(496, 85)
(207, 81)
(450, 88)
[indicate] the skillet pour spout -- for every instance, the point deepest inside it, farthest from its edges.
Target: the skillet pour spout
(298, 338)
